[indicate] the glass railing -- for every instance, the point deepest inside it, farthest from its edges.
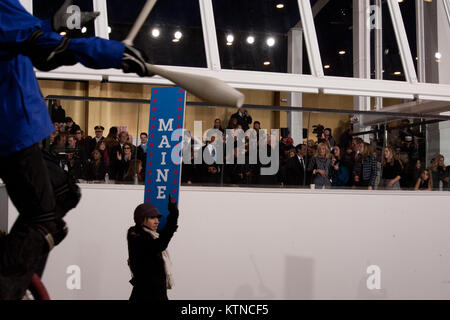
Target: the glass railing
(336, 149)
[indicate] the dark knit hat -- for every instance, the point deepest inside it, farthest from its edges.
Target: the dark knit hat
(145, 210)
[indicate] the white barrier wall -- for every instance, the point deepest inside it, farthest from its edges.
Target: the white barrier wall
(266, 244)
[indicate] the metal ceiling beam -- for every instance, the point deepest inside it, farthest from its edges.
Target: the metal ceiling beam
(318, 6)
(210, 35)
(402, 41)
(420, 41)
(101, 23)
(421, 107)
(274, 81)
(312, 45)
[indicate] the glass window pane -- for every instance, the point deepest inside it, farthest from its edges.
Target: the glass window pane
(334, 27)
(45, 9)
(171, 35)
(253, 35)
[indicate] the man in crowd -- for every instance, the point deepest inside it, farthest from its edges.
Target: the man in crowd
(98, 137)
(142, 150)
(243, 118)
(71, 126)
(296, 167)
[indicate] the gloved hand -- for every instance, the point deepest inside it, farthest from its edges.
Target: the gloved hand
(59, 21)
(173, 209)
(134, 60)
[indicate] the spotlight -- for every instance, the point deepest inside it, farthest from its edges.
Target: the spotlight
(251, 39)
(280, 6)
(230, 38)
(397, 73)
(438, 55)
(342, 52)
(63, 33)
(178, 35)
(267, 63)
(155, 33)
(327, 66)
(270, 42)
(83, 30)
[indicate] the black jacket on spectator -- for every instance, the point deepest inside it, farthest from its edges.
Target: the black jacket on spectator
(295, 172)
(146, 262)
(243, 120)
(58, 114)
(95, 171)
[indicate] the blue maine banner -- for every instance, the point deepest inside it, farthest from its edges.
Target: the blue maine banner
(164, 158)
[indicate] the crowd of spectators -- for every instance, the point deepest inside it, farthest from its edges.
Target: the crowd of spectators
(326, 163)
(350, 162)
(97, 158)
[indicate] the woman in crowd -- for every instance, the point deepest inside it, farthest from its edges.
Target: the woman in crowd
(320, 166)
(339, 173)
(101, 145)
(134, 169)
(95, 168)
(438, 172)
(425, 181)
(123, 161)
(391, 170)
(365, 168)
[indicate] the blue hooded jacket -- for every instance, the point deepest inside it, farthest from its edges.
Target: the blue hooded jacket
(24, 118)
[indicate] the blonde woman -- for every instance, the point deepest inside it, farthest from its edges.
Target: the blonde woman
(392, 170)
(438, 172)
(425, 181)
(320, 166)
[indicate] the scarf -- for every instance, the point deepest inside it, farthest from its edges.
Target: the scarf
(166, 259)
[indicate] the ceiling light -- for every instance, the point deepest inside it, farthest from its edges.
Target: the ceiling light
(438, 55)
(270, 42)
(397, 73)
(267, 63)
(400, 1)
(251, 40)
(83, 30)
(109, 29)
(63, 33)
(178, 35)
(230, 38)
(327, 66)
(280, 6)
(175, 40)
(342, 52)
(155, 33)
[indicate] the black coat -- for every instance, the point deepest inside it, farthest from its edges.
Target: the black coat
(146, 262)
(295, 172)
(243, 120)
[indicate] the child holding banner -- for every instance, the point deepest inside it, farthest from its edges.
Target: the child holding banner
(149, 260)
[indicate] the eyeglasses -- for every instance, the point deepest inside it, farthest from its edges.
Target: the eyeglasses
(126, 148)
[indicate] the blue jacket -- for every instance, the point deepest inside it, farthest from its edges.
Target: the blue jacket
(24, 118)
